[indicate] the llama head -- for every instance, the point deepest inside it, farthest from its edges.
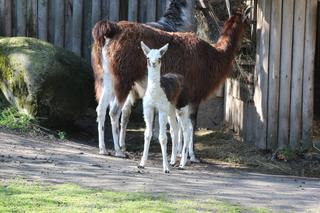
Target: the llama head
(154, 55)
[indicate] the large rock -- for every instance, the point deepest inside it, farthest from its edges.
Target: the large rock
(44, 81)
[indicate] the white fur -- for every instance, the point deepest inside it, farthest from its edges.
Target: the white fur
(107, 98)
(156, 99)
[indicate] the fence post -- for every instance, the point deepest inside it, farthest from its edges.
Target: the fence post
(151, 10)
(297, 73)
(285, 70)
(308, 77)
(133, 10)
(59, 23)
(21, 18)
(43, 19)
(77, 26)
(114, 10)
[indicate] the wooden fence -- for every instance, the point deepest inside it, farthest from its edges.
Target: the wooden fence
(281, 113)
(68, 23)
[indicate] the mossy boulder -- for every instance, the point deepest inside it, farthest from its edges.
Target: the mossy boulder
(44, 81)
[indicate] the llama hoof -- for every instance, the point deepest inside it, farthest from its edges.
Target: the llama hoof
(123, 148)
(140, 167)
(181, 167)
(120, 154)
(103, 152)
(166, 171)
(172, 164)
(193, 159)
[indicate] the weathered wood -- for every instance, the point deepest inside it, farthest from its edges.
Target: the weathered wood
(261, 73)
(274, 74)
(308, 73)
(133, 10)
(285, 72)
(161, 7)
(86, 30)
(96, 11)
(21, 18)
(43, 19)
(77, 26)
(114, 10)
(6, 17)
(51, 18)
(105, 9)
(59, 23)
(32, 14)
(142, 11)
(68, 24)
(297, 73)
(151, 10)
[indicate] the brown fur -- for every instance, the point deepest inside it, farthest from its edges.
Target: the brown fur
(172, 85)
(203, 66)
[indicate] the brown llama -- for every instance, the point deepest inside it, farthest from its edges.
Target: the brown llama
(204, 66)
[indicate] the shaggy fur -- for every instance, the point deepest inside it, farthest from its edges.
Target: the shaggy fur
(178, 17)
(203, 66)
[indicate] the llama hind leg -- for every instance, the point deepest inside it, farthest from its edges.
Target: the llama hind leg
(101, 116)
(114, 113)
(193, 116)
(174, 137)
(187, 129)
(125, 116)
(148, 118)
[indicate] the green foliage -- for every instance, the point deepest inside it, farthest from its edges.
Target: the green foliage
(61, 135)
(286, 154)
(11, 118)
(18, 196)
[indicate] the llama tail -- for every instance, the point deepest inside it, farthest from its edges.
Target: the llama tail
(104, 29)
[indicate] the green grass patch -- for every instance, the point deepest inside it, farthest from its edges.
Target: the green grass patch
(21, 196)
(11, 118)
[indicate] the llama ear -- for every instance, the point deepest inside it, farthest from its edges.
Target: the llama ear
(164, 49)
(145, 48)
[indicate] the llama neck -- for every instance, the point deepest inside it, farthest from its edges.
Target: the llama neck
(230, 39)
(153, 77)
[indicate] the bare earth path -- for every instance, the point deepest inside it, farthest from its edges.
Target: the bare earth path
(59, 162)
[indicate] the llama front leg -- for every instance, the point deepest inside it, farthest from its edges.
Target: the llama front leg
(114, 114)
(163, 140)
(148, 118)
(174, 137)
(101, 116)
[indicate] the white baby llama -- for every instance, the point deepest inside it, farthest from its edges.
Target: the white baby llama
(165, 95)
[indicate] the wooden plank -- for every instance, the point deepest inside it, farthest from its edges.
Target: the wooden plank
(142, 11)
(51, 18)
(227, 104)
(77, 26)
(151, 10)
(96, 11)
(114, 10)
(161, 7)
(32, 14)
(274, 74)
(68, 24)
(297, 73)
(43, 19)
(105, 9)
(308, 74)
(133, 10)
(261, 73)
(6, 17)
(285, 73)
(86, 30)
(21, 18)
(59, 23)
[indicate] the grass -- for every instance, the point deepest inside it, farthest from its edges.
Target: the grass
(21, 196)
(11, 118)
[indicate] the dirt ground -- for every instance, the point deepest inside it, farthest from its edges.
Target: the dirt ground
(224, 174)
